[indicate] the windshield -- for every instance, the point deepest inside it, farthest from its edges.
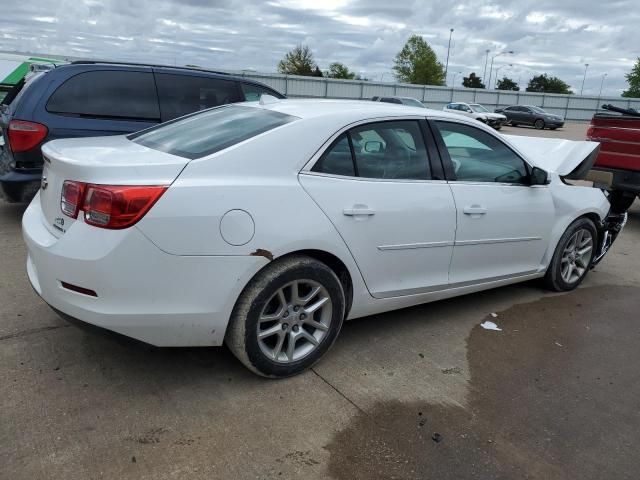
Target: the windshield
(477, 107)
(210, 131)
(412, 102)
(537, 109)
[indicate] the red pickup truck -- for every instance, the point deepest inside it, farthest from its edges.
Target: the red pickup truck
(618, 131)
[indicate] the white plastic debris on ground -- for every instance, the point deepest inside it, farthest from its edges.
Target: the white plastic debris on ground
(487, 325)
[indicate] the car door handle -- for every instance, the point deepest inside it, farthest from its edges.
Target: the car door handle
(358, 210)
(474, 210)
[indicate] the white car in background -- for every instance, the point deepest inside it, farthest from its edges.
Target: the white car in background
(265, 225)
(478, 112)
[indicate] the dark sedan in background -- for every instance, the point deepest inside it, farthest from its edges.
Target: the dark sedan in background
(531, 115)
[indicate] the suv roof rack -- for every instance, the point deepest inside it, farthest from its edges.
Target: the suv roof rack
(110, 62)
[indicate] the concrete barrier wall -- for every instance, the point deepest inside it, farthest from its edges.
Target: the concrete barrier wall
(570, 107)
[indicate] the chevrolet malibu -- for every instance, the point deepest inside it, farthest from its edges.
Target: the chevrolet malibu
(264, 225)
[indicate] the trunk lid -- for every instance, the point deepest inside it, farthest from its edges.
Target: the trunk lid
(113, 160)
(568, 158)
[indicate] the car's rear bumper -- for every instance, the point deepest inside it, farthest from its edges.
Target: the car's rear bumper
(20, 187)
(141, 291)
(623, 180)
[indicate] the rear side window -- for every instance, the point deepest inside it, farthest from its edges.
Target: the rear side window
(107, 94)
(252, 92)
(208, 132)
(183, 94)
(382, 150)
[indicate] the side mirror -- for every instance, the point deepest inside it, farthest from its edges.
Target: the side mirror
(373, 146)
(539, 177)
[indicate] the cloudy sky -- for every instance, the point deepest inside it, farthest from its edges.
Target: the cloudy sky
(553, 36)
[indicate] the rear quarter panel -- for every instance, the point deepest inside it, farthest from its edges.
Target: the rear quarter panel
(260, 177)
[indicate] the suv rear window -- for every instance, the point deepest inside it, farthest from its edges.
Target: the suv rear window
(210, 131)
(107, 94)
(183, 94)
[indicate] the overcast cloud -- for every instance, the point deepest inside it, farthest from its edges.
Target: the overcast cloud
(557, 37)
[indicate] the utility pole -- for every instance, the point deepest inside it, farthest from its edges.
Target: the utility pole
(448, 51)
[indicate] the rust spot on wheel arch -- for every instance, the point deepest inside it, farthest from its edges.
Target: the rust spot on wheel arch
(260, 252)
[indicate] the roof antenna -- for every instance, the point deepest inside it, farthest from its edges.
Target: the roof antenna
(266, 99)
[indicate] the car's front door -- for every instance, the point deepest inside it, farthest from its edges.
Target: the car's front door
(503, 223)
(376, 184)
(527, 116)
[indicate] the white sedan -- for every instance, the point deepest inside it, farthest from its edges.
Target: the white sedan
(265, 225)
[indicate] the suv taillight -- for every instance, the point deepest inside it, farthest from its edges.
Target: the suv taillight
(24, 136)
(109, 206)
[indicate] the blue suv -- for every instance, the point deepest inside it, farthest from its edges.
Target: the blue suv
(85, 99)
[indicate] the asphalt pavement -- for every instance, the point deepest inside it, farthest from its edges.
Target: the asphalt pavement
(420, 393)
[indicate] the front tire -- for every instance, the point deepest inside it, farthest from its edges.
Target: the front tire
(572, 259)
(539, 124)
(287, 317)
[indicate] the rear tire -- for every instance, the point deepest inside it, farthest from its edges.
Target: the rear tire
(572, 258)
(513, 124)
(287, 317)
(539, 124)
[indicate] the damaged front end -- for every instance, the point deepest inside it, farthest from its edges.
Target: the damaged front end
(608, 231)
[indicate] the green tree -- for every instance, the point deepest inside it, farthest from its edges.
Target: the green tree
(472, 81)
(299, 61)
(508, 84)
(417, 63)
(547, 84)
(317, 72)
(340, 70)
(633, 79)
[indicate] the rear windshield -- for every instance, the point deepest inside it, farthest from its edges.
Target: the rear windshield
(210, 131)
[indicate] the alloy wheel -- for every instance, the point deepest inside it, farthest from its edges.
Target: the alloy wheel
(576, 256)
(295, 321)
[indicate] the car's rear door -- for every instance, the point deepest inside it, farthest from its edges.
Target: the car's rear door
(181, 93)
(381, 187)
(503, 223)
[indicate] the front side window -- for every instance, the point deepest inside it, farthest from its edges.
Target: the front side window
(382, 150)
(107, 94)
(183, 94)
(478, 156)
(204, 133)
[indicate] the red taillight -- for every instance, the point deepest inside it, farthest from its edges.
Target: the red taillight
(72, 193)
(109, 206)
(25, 135)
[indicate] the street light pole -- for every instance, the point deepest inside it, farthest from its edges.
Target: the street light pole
(498, 69)
(486, 59)
(601, 84)
(586, 65)
(492, 59)
(446, 67)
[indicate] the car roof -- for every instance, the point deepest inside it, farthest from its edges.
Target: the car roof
(347, 110)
